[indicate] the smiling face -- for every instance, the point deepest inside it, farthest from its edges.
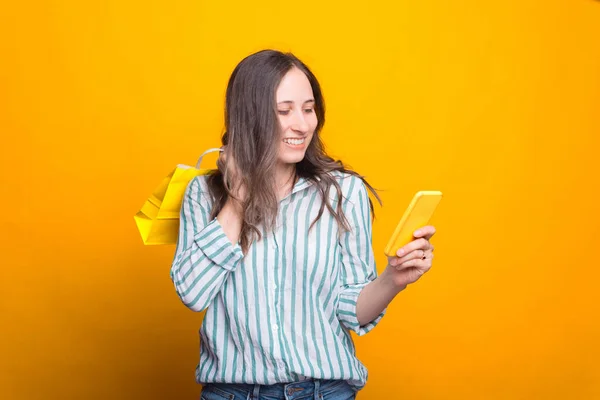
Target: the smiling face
(297, 117)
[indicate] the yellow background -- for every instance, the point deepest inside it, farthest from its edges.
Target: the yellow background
(497, 104)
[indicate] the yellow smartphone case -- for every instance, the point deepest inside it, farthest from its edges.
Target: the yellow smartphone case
(417, 215)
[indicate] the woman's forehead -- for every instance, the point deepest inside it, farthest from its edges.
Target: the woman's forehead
(294, 88)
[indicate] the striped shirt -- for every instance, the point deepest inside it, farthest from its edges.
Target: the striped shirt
(284, 311)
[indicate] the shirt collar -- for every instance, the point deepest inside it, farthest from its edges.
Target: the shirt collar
(301, 184)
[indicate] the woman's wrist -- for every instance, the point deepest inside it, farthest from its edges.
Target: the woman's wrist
(230, 218)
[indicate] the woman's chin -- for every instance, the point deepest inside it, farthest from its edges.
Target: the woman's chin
(291, 158)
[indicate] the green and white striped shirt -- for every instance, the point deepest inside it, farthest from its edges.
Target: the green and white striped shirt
(284, 311)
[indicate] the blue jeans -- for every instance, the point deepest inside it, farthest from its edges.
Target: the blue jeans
(312, 389)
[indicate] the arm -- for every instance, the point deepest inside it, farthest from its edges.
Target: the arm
(362, 298)
(406, 267)
(207, 251)
(412, 261)
(231, 220)
(375, 297)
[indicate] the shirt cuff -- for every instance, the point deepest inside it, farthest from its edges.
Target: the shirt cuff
(347, 310)
(217, 247)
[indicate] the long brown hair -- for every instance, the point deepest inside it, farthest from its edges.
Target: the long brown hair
(252, 135)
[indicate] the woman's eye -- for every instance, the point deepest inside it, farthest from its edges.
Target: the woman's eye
(308, 110)
(283, 112)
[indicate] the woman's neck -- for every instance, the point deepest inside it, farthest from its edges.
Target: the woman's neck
(285, 177)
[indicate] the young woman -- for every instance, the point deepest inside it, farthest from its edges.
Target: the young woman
(275, 245)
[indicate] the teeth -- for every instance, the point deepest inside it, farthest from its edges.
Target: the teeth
(294, 141)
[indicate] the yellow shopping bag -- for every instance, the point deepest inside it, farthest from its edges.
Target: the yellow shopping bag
(158, 219)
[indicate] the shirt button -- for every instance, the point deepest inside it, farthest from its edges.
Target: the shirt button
(275, 327)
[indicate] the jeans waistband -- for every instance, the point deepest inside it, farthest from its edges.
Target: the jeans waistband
(288, 391)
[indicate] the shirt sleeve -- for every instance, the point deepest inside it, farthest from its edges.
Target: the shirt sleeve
(204, 256)
(357, 258)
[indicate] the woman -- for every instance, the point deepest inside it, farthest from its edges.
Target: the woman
(276, 246)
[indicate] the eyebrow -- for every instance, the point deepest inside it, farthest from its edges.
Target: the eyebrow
(291, 102)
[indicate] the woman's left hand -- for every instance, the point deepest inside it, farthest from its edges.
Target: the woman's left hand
(413, 259)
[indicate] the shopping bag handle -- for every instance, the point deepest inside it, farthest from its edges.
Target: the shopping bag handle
(205, 153)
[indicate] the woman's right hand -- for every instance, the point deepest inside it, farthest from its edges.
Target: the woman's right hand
(228, 167)
(232, 214)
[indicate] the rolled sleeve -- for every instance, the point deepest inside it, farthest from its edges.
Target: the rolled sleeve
(357, 259)
(347, 310)
(217, 247)
(204, 257)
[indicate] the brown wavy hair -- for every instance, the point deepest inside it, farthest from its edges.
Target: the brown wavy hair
(252, 135)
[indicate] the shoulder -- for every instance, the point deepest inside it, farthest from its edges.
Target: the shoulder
(197, 185)
(197, 189)
(352, 186)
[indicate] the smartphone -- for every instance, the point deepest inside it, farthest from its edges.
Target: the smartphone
(417, 215)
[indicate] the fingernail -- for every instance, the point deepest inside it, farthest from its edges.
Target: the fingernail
(417, 233)
(400, 252)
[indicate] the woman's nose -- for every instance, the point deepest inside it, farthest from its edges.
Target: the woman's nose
(299, 123)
